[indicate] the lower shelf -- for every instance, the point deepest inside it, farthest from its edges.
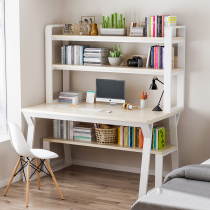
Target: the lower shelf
(166, 150)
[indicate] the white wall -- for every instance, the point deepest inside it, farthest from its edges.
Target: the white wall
(194, 125)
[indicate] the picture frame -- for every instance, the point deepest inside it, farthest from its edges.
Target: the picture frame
(68, 28)
(88, 19)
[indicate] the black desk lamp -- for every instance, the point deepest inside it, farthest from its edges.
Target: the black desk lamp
(153, 86)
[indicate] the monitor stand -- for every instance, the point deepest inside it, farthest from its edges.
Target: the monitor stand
(111, 104)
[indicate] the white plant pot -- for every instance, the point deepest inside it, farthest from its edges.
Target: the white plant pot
(115, 61)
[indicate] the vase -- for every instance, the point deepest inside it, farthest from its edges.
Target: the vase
(94, 29)
(115, 61)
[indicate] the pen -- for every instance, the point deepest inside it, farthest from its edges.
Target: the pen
(73, 105)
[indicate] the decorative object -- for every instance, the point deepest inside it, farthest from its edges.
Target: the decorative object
(153, 86)
(129, 106)
(106, 136)
(81, 27)
(90, 97)
(114, 58)
(94, 29)
(68, 28)
(117, 27)
(136, 61)
(88, 20)
(135, 29)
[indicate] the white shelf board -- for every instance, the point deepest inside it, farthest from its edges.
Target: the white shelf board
(166, 150)
(156, 40)
(115, 69)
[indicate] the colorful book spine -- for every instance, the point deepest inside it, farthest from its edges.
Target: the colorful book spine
(139, 137)
(131, 137)
(118, 135)
(142, 139)
(153, 26)
(156, 57)
(124, 136)
(159, 26)
(62, 55)
(152, 57)
(134, 139)
(128, 136)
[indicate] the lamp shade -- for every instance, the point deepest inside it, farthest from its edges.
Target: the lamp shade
(153, 86)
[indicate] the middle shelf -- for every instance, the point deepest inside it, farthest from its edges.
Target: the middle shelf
(164, 151)
(116, 69)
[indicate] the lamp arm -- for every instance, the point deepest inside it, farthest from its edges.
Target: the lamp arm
(160, 98)
(155, 78)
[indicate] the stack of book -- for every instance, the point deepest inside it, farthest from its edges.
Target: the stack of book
(155, 25)
(95, 56)
(61, 129)
(130, 137)
(84, 133)
(158, 138)
(72, 54)
(69, 95)
(155, 57)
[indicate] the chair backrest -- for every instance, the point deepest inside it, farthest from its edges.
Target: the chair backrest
(18, 141)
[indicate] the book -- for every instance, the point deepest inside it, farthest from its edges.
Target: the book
(62, 55)
(126, 136)
(151, 26)
(58, 128)
(82, 48)
(165, 22)
(66, 55)
(162, 31)
(131, 137)
(147, 26)
(137, 137)
(134, 137)
(140, 138)
(96, 50)
(145, 31)
(69, 61)
(159, 26)
(148, 57)
(172, 22)
(154, 26)
(55, 128)
(152, 57)
(118, 135)
(161, 138)
(121, 135)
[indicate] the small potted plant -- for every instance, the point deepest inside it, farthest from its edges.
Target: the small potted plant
(114, 58)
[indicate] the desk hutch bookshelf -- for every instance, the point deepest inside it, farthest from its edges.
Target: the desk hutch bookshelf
(143, 118)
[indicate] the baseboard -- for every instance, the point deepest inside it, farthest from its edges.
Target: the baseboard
(113, 167)
(5, 182)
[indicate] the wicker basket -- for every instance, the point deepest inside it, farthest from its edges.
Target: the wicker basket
(106, 136)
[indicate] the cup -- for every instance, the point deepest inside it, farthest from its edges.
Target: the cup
(143, 103)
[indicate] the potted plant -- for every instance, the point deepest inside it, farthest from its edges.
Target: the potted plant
(114, 58)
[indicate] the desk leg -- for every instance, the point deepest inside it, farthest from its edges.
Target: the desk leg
(173, 123)
(147, 131)
(158, 170)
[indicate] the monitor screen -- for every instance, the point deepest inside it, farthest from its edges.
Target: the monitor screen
(110, 89)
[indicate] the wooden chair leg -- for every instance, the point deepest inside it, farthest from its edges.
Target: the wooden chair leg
(10, 181)
(53, 177)
(27, 184)
(38, 176)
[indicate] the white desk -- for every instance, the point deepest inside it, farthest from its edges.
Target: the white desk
(143, 118)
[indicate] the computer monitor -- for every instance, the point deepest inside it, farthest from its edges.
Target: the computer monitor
(112, 91)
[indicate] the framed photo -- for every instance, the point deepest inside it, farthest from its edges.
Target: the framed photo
(68, 28)
(88, 19)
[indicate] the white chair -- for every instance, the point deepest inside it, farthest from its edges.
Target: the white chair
(19, 143)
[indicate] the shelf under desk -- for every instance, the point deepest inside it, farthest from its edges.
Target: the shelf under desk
(143, 118)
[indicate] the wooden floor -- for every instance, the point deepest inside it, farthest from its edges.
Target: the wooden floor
(82, 188)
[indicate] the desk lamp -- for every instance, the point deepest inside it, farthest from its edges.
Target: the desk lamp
(153, 86)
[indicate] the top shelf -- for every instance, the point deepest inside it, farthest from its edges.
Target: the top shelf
(156, 40)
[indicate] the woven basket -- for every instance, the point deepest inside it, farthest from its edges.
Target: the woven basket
(106, 136)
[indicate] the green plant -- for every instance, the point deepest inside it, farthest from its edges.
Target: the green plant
(116, 53)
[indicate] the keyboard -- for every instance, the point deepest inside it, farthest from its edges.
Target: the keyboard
(91, 110)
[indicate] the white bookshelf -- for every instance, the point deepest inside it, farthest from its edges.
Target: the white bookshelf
(168, 71)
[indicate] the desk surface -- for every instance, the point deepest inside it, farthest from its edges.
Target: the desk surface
(139, 115)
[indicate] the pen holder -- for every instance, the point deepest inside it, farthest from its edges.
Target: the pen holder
(143, 103)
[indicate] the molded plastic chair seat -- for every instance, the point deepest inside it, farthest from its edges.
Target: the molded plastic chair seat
(43, 154)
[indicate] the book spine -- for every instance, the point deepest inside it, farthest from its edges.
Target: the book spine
(157, 137)
(72, 54)
(61, 128)
(131, 137)
(152, 57)
(69, 55)
(54, 129)
(162, 31)
(153, 26)
(77, 55)
(148, 26)
(122, 136)
(64, 129)
(142, 139)
(71, 129)
(159, 26)
(81, 55)
(139, 137)
(156, 57)
(66, 54)
(118, 135)
(62, 55)
(160, 57)
(126, 136)
(134, 139)
(145, 27)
